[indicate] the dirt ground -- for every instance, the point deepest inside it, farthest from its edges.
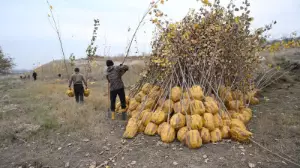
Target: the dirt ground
(31, 137)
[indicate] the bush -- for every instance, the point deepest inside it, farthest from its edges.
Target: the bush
(6, 62)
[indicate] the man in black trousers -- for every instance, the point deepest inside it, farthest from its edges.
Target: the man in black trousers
(78, 80)
(114, 76)
(34, 75)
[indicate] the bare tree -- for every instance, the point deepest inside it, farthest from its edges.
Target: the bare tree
(56, 28)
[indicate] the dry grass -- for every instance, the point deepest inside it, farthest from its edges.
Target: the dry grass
(70, 115)
(47, 107)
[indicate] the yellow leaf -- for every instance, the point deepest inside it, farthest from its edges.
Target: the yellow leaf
(205, 2)
(162, 1)
(48, 15)
(237, 19)
(186, 35)
(196, 26)
(51, 7)
(172, 26)
(155, 20)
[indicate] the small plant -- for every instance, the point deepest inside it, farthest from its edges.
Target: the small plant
(49, 123)
(72, 60)
(92, 48)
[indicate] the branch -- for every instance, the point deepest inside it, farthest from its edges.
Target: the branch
(56, 28)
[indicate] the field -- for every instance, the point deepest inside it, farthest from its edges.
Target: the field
(41, 127)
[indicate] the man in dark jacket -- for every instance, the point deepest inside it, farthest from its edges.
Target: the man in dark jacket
(34, 75)
(114, 76)
(78, 80)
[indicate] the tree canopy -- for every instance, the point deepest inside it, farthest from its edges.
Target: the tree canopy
(6, 62)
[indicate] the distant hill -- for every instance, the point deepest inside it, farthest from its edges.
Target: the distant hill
(52, 69)
(19, 71)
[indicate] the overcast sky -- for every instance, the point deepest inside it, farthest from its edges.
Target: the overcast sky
(27, 35)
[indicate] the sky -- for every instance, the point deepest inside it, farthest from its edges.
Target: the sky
(27, 35)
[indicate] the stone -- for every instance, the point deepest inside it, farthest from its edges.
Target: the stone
(251, 165)
(106, 148)
(159, 143)
(85, 140)
(123, 141)
(67, 164)
(93, 165)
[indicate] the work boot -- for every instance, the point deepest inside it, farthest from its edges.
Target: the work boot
(113, 115)
(124, 115)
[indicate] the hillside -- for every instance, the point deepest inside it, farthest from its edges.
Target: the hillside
(52, 69)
